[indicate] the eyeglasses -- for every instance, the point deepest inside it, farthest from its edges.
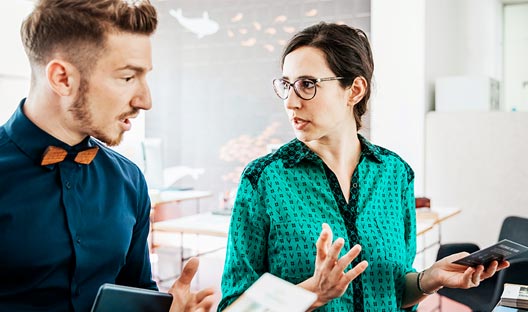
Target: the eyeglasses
(305, 88)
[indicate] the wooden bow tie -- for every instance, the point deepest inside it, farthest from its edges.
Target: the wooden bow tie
(54, 154)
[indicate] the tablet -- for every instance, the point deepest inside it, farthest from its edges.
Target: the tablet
(111, 298)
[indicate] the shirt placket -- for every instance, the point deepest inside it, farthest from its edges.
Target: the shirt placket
(72, 208)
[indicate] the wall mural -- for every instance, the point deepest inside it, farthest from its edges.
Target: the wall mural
(213, 101)
(202, 26)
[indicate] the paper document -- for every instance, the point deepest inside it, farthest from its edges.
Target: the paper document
(515, 296)
(272, 294)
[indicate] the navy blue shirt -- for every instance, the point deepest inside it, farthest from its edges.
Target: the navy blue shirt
(66, 229)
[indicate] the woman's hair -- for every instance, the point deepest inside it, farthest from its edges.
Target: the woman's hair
(347, 51)
(77, 29)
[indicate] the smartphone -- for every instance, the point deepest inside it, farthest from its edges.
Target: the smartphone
(111, 298)
(503, 250)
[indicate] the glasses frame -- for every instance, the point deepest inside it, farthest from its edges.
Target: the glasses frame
(293, 84)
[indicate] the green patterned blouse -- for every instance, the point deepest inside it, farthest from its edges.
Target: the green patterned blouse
(283, 199)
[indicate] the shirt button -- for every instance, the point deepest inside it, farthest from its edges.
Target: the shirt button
(77, 292)
(68, 185)
(78, 239)
(354, 185)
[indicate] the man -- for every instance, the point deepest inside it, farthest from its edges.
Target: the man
(73, 213)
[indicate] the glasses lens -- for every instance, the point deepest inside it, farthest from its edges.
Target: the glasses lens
(305, 88)
(281, 88)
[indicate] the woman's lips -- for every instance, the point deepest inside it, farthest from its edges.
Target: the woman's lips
(299, 123)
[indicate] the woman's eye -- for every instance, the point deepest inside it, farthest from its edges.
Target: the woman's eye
(307, 84)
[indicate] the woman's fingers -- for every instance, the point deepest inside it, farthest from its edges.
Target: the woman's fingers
(338, 271)
(475, 277)
(355, 271)
(326, 228)
(490, 270)
(335, 250)
(345, 261)
(323, 243)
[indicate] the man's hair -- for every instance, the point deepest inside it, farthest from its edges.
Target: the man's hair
(77, 29)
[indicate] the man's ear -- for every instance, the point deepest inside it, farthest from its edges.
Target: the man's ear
(358, 89)
(63, 77)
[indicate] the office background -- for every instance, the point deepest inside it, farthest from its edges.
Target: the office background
(213, 98)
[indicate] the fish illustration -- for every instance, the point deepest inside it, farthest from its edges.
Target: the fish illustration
(202, 26)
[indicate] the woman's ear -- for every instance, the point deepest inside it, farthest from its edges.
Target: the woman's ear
(358, 89)
(63, 78)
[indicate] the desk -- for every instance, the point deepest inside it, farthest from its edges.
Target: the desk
(218, 225)
(200, 224)
(158, 197)
(426, 221)
(166, 197)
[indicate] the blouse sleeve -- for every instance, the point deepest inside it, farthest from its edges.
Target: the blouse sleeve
(409, 209)
(246, 254)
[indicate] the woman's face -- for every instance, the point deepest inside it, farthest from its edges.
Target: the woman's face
(329, 114)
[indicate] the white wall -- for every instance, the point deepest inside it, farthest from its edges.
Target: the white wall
(515, 60)
(414, 42)
(473, 161)
(14, 67)
(13, 60)
(476, 161)
(398, 101)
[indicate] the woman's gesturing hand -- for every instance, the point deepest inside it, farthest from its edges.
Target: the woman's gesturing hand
(330, 279)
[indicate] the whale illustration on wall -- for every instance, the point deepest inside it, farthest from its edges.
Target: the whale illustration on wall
(201, 26)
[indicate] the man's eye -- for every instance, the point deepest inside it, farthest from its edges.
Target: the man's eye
(127, 79)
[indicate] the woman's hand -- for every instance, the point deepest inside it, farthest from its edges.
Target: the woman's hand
(444, 273)
(330, 279)
(183, 299)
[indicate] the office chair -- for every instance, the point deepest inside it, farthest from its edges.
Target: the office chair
(486, 296)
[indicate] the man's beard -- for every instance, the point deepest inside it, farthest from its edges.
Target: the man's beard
(81, 113)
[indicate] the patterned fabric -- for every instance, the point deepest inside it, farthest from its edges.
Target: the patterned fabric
(283, 199)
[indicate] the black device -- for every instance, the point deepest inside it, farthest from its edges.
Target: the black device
(111, 298)
(500, 251)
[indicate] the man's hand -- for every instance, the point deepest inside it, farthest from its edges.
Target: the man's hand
(183, 299)
(330, 279)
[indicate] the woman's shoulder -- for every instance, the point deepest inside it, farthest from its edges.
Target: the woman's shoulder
(387, 157)
(275, 159)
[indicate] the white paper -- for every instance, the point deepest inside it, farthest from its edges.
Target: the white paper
(272, 294)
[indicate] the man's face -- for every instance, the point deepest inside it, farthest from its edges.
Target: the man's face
(116, 89)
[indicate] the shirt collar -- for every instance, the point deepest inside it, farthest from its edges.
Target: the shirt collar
(296, 151)
(32, 140)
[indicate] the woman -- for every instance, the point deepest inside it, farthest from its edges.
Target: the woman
(332, 177)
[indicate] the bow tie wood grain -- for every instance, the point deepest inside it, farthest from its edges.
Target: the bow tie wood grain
(54, 154)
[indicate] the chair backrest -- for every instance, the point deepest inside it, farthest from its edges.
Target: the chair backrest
(515, 229)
